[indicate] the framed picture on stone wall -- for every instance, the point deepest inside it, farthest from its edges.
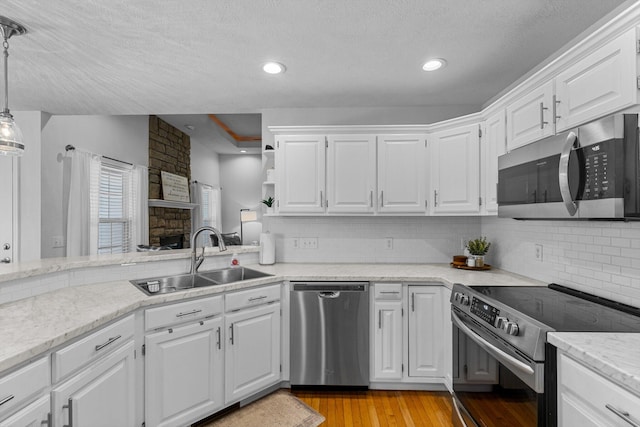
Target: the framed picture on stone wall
(174, 187)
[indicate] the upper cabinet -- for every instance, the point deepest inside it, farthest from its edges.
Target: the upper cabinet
(601, 83)
(492, 145)
(455, 170)
(401, 173)
(529, 117)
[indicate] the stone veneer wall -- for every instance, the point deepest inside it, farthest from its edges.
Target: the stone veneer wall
(169, 151)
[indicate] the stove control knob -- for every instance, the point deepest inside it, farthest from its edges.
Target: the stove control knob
(464, 300)
(456, 296)
(511, 328)
(500, 322)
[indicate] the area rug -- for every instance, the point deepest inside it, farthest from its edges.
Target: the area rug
(279, 409)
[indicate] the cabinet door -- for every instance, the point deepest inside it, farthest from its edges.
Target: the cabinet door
(101, 395)
(252, 357)
(530, 117)
(426, 352)
(601, 83)
(300, 166)
(480, 366)
(388, 340)
(401, 173)
(8, 168)
(184, 373)
(492, 145)
(455, 170)
(351, 173)
(35, 414)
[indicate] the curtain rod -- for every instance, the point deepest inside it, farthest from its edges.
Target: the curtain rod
(70, 147)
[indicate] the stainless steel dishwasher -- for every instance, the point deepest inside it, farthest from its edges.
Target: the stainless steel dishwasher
(330, 333)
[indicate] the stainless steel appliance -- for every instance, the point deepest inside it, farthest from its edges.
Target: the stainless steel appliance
(589, 172)
(504, 328)
(329, 334)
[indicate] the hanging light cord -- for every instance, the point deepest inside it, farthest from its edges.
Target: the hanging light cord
(5, 45)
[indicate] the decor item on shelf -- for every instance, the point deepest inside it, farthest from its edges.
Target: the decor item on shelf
(477, 249)
(174, 187)
(269, 204)
(246, 215)
(268, 147)
(11, 142)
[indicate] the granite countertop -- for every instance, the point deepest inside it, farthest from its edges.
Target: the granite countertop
(613, 355)
(35, 325)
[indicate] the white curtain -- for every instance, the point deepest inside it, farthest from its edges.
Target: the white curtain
(208, 210)
(82, 216)
(140, 204)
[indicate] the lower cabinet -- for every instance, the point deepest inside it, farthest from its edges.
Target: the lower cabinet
(101, 395)
(252, 357)
(387, 339)
(426, 348)
(35, 414)
(184, 373)
(477, 366)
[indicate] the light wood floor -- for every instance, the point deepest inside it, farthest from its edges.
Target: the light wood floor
(380, 408)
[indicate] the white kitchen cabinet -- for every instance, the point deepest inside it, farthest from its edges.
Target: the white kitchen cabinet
(252, 356)
(530, 117)
(455, 170)
(20, 387)
(8, 213)
(300, 167)
(387, 325)
(426, 348)
(476, 366)
(103, 394)
(351, 173)
(492, 145)
(401, 173)
(586, 398)
(599, 84)
(36, 414)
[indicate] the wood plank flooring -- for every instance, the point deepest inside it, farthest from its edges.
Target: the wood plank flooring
(380, 408)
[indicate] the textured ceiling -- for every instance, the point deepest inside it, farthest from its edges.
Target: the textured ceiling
(204, 56)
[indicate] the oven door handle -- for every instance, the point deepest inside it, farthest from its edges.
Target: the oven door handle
(563, 174)
(490, 348)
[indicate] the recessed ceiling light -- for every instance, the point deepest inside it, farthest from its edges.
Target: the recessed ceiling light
(434, 64)
(274, 68)
(190, 127)
(243, 151)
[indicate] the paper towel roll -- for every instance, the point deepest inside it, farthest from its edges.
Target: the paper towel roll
(267, 249)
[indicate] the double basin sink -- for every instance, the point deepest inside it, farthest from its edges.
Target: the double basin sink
(165, 285)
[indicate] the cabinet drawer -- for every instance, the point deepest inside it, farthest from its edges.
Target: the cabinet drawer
(80, 353)
(388, 291)
(18, 386)
(161, 317)
(252, 297)
(591, 394)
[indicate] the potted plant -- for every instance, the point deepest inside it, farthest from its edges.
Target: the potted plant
(477, 249)
(268, 202)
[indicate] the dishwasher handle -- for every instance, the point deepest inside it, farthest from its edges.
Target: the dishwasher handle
(328, 294)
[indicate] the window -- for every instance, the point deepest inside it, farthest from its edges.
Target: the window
(115, 210)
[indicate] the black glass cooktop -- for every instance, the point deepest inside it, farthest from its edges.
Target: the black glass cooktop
(564, 309)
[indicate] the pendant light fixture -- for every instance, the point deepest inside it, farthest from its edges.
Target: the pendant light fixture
(11, 143)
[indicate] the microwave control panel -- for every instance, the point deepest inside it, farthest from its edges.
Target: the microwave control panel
(598, 171)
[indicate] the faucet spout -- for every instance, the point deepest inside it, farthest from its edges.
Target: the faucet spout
(196, 260)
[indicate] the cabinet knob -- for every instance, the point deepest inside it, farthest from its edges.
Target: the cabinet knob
(5, 260)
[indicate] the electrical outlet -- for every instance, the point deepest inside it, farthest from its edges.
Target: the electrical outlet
(57, 242)
(463, 244)
(538, 252)
(309, 243)
(296, 243)
(388, 243)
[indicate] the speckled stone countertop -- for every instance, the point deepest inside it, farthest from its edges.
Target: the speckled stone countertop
(35, 325)
(616, 356)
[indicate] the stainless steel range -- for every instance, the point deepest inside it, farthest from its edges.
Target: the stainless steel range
(504, 370)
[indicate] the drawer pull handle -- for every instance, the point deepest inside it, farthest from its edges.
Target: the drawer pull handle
(109, 341)
(6, 399)
(70, 408)
(231, 333)
(622, 414)
(390, 292)
(219, 339)
(257, 298)
(188, 313)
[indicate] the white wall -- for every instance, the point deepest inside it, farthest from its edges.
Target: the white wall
(241, 180)
(205, 163)
(120, 137)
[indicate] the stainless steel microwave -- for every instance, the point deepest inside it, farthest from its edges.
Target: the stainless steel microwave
(590, 172)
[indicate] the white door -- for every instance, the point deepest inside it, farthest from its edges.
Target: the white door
(8, 174)
(426, 350)
(455, 170)
(35, 414)
(252, 356)
(184, 373)
(530, 117)
(102, 395)
(300, 166)
(601, 83)
(401, 173)
(388, 340)
(351, 173)
(493, 145)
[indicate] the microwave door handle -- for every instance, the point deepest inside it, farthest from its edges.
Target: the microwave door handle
(563, 174)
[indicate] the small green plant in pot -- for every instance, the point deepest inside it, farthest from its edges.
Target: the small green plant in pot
(268, 202)
(477, 248)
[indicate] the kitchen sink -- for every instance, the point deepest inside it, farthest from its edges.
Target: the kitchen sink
(165, 285)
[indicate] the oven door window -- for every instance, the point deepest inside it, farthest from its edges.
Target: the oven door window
(489, 392)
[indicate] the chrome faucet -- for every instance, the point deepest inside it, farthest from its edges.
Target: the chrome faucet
(196, 261)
